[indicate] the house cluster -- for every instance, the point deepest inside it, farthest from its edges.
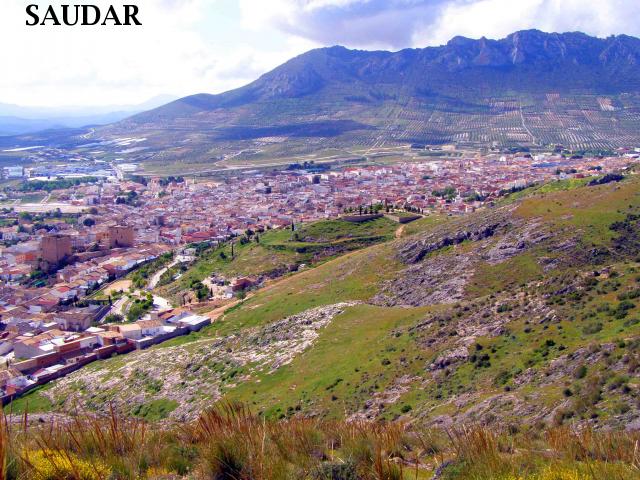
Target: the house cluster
(44, 333)
(59, 343)
(73, 271)
(191, 212)
(121, 213)
(89, 275)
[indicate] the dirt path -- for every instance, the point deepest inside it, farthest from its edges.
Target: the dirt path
(118, 307)
(400, 231)
(123, 285)
(216, 313)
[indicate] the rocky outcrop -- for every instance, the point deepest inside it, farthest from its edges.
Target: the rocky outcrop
(436, 274)
(278, 343)
(515, 242)
(434, 278)
(379, 401)
(439, 279)
(484, 225)
(415, 252)
(193, 375)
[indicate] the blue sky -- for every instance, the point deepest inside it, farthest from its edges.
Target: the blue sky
(192, 46)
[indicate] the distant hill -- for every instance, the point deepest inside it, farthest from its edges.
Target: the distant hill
(530, 89)
(17, 119)
(526, 62)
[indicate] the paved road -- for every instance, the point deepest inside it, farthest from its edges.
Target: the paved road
(153, 282)
(118, 306)
(160, 304)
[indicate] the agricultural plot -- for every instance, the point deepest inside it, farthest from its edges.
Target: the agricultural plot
(274, 132)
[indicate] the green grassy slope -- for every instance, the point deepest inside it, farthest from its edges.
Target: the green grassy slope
(278, 252)
(535, 322)
(386, 354)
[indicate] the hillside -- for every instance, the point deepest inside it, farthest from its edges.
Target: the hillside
(528, 61)
(524, 314)
(275, 253)
(529, 89)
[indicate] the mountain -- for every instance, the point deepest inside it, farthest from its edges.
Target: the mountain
(526, 62)
(17, 120)
(528, 89)
(523, 314)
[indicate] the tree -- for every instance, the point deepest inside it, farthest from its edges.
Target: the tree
(88, 222)
(36, 274)
(201, 290)
(114, 318)
(202, 294)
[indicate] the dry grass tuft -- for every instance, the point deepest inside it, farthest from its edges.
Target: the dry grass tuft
(229, 442)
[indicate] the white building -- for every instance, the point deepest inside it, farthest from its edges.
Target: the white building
(14, 172)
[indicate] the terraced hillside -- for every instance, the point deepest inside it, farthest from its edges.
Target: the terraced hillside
(523, 314)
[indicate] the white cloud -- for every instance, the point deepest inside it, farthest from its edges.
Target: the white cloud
(420, 23)
(169, 54)
(356, 23)
(190, 46)
(498, 18)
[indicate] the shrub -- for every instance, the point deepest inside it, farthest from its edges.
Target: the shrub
(228, 442)
(580, 371)
(592, 328)
(502, 378)
(113, 318)
(61, 464)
